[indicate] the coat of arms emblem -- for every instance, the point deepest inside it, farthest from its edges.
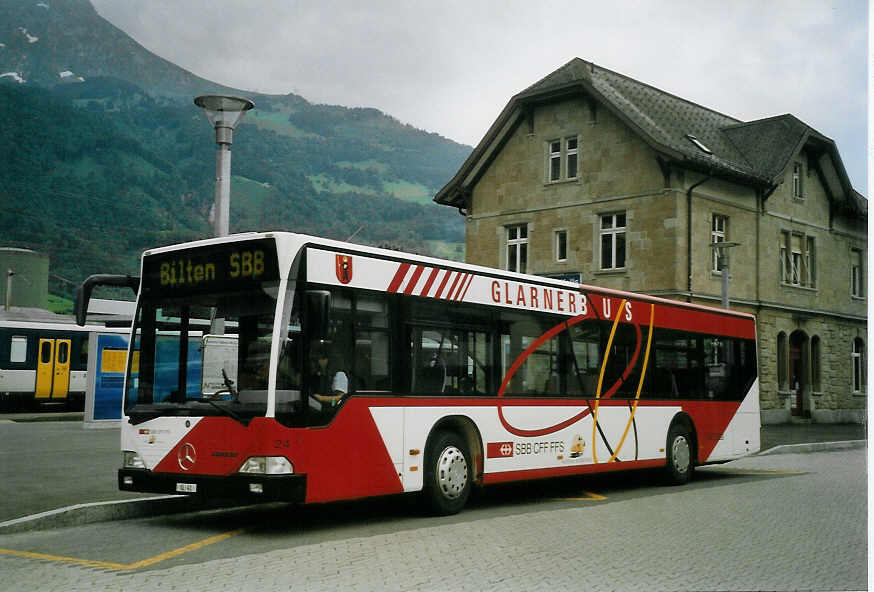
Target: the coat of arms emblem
(344, 268)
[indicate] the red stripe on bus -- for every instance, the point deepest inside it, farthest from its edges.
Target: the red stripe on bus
(506, 476)
(457, 292)
(430, 281)
(398, 278)
(443, 284)
(467, 287)
(454, 283)
(414, 280)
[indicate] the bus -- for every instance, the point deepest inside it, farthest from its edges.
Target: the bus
(344, 372)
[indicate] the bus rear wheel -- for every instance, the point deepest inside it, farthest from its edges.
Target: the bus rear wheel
(447, 474)
(680, 455)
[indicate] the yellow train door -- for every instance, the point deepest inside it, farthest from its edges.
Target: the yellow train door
(53, 369)
(45, 368)
(61, 384)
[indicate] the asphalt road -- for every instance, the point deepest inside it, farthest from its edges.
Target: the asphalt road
(774, 522)
(45, 465)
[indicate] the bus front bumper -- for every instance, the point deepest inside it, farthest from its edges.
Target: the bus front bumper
(286, 488)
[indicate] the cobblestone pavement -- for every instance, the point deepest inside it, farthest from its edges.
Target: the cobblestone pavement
(767, 531)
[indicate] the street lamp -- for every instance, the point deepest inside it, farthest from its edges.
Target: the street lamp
(722, 252)
(224, 113)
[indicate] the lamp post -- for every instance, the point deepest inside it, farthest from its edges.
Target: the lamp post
(9, 274)
(224, 113)
(722, 248)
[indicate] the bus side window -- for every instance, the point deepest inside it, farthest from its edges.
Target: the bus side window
(538, 372)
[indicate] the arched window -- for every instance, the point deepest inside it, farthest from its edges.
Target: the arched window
(815, 364)
(782, 361)
(858, 365)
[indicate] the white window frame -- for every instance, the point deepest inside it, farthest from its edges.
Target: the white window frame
(797, 259)
(857, 273)
(559, 232)
(553, 175)
(718, 234)
(797, 180)
(517, 244)
(559, 155)
(614, 232)
(569, 153)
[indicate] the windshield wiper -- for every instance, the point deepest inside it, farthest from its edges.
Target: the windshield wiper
(224, 410)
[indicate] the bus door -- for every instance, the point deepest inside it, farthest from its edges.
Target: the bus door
(53, 369)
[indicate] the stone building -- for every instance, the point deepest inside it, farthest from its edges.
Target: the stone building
(593, 176)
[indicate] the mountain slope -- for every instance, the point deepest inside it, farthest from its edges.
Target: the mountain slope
(45, 39)
(105, 154)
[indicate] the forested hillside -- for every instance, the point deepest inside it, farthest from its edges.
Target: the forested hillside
(96, 172)
(103, 154)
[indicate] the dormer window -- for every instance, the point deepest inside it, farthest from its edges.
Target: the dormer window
(699, 144)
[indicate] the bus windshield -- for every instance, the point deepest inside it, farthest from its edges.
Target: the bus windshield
(203, 355)
(203, 334)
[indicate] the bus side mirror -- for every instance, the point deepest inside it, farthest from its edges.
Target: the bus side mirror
(317, 314)
(83, 294)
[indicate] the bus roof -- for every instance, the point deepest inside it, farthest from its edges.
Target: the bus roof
(289, 243)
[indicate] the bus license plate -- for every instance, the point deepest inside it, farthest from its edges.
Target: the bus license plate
(186, 487)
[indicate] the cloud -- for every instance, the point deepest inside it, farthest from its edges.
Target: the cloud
(450, 67)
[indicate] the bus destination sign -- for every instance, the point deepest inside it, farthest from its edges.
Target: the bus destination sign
(206, 268)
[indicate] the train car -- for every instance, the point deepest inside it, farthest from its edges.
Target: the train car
(44, 363)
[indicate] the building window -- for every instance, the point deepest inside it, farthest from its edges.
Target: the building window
(797, 184)
(555, 160)
(815, 361)
(856, 274)
(858, 365)
(718, 228)
(561, 245)
(572, 154)
(798, 259)
(563, 159)
(613, 241)
(517, 248)
(782, 362)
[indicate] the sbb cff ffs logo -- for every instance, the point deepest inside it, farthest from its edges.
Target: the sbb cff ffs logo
(499, 450)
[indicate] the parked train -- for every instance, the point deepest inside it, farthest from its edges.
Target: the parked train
(44, 363)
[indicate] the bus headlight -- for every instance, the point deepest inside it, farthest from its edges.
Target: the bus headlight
(267, 465)
(132, 460)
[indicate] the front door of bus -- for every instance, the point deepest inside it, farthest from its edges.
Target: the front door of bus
(53, 369)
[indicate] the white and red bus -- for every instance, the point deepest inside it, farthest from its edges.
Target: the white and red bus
(454, 376)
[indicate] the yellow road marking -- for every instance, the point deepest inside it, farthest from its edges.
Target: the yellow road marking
(589, 497)
(125, 566)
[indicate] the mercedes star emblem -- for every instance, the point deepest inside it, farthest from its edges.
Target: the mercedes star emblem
(187, 456)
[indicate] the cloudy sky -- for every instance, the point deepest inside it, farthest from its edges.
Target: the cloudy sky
(450, 66)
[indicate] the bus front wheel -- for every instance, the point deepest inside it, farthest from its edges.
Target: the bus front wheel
(680, 454)
(447, 474)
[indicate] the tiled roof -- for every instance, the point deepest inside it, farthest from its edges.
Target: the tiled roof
(663, 118)
(754, 153)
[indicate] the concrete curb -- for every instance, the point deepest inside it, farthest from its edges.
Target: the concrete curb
(81, 514)
(814, 447)
(41, 417)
